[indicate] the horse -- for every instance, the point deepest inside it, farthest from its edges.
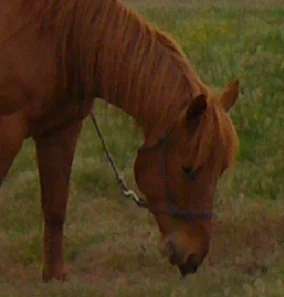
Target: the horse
(56, 56)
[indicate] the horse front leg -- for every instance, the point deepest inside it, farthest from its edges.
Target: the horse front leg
(55, 154)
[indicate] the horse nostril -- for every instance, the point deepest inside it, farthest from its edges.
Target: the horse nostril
(189, 267)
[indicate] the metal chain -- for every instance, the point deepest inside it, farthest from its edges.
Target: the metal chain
(128, 193)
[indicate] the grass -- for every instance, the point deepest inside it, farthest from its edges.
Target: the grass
(111, 246)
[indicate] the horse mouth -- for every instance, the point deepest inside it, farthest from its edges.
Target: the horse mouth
(189, 267)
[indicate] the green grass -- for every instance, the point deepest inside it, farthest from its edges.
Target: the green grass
(111, 246)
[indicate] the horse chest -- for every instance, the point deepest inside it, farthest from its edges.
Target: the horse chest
(60, 115)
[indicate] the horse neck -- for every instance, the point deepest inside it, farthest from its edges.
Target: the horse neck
(140, 71)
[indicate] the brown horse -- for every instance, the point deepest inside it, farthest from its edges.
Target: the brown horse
(55, 57)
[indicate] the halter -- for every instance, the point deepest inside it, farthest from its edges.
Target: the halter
(171, 209)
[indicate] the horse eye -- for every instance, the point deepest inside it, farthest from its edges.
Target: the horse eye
(189, 172)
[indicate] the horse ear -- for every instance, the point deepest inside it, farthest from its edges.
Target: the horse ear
(197, 107)
(230, 95)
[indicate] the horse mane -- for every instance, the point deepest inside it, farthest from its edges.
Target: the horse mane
(80, 31)
(103, 47)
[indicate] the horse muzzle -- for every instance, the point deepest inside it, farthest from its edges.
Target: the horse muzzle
(180, 256)
(186, 264)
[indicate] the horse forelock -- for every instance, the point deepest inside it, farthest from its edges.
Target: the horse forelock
(215, 138)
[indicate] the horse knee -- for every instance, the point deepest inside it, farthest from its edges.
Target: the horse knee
(53, 219)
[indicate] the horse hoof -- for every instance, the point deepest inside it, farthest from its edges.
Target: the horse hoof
(59, 274)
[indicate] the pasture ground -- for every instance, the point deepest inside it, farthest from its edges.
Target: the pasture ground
(111, 246)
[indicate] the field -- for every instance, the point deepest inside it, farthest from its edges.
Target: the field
(111, 246)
